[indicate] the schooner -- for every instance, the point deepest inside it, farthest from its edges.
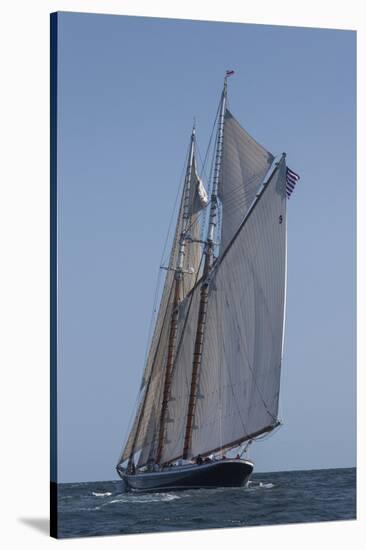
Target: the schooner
(212, 376)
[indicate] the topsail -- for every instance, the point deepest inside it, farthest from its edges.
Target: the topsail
(244, 165)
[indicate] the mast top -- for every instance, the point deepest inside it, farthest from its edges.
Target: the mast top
(227, 74)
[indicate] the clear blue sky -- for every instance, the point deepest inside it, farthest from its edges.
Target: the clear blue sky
(128, 90)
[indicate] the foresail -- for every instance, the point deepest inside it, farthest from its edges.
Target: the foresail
(143, 435)
(181, 379)
(241, 362)
(244, 165)
(146, 420)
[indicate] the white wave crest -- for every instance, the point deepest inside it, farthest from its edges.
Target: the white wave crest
(101, 494)
(143, 499)
(255, 485)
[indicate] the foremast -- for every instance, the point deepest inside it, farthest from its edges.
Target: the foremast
(178, 277)
(209, 258)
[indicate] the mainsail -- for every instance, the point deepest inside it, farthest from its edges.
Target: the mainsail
(239, 378)
(143, 435)
(213, 372)
(240, 371)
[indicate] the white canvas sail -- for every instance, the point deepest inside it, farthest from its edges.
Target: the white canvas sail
(181, 379)
(143, 435)
(243, 167)
(193, 252)
(241, 363)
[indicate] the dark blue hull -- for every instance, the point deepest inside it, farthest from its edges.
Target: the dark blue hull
(223, 473)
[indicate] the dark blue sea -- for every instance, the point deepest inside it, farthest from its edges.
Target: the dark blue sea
(103, 508)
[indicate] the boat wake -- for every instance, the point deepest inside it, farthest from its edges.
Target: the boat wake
(144, 499)
(128, 498)
(258, 485)
(116, 499)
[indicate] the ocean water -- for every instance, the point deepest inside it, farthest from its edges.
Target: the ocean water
(103, 508)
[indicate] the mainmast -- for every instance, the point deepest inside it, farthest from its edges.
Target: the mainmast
(177, 292)
(209, 256)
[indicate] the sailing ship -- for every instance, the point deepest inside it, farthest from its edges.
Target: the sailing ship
(212, 377)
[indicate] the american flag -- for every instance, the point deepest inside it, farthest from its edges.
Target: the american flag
(291, 180)
(229, 73)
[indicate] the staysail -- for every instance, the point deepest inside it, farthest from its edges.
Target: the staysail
(143, 435)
